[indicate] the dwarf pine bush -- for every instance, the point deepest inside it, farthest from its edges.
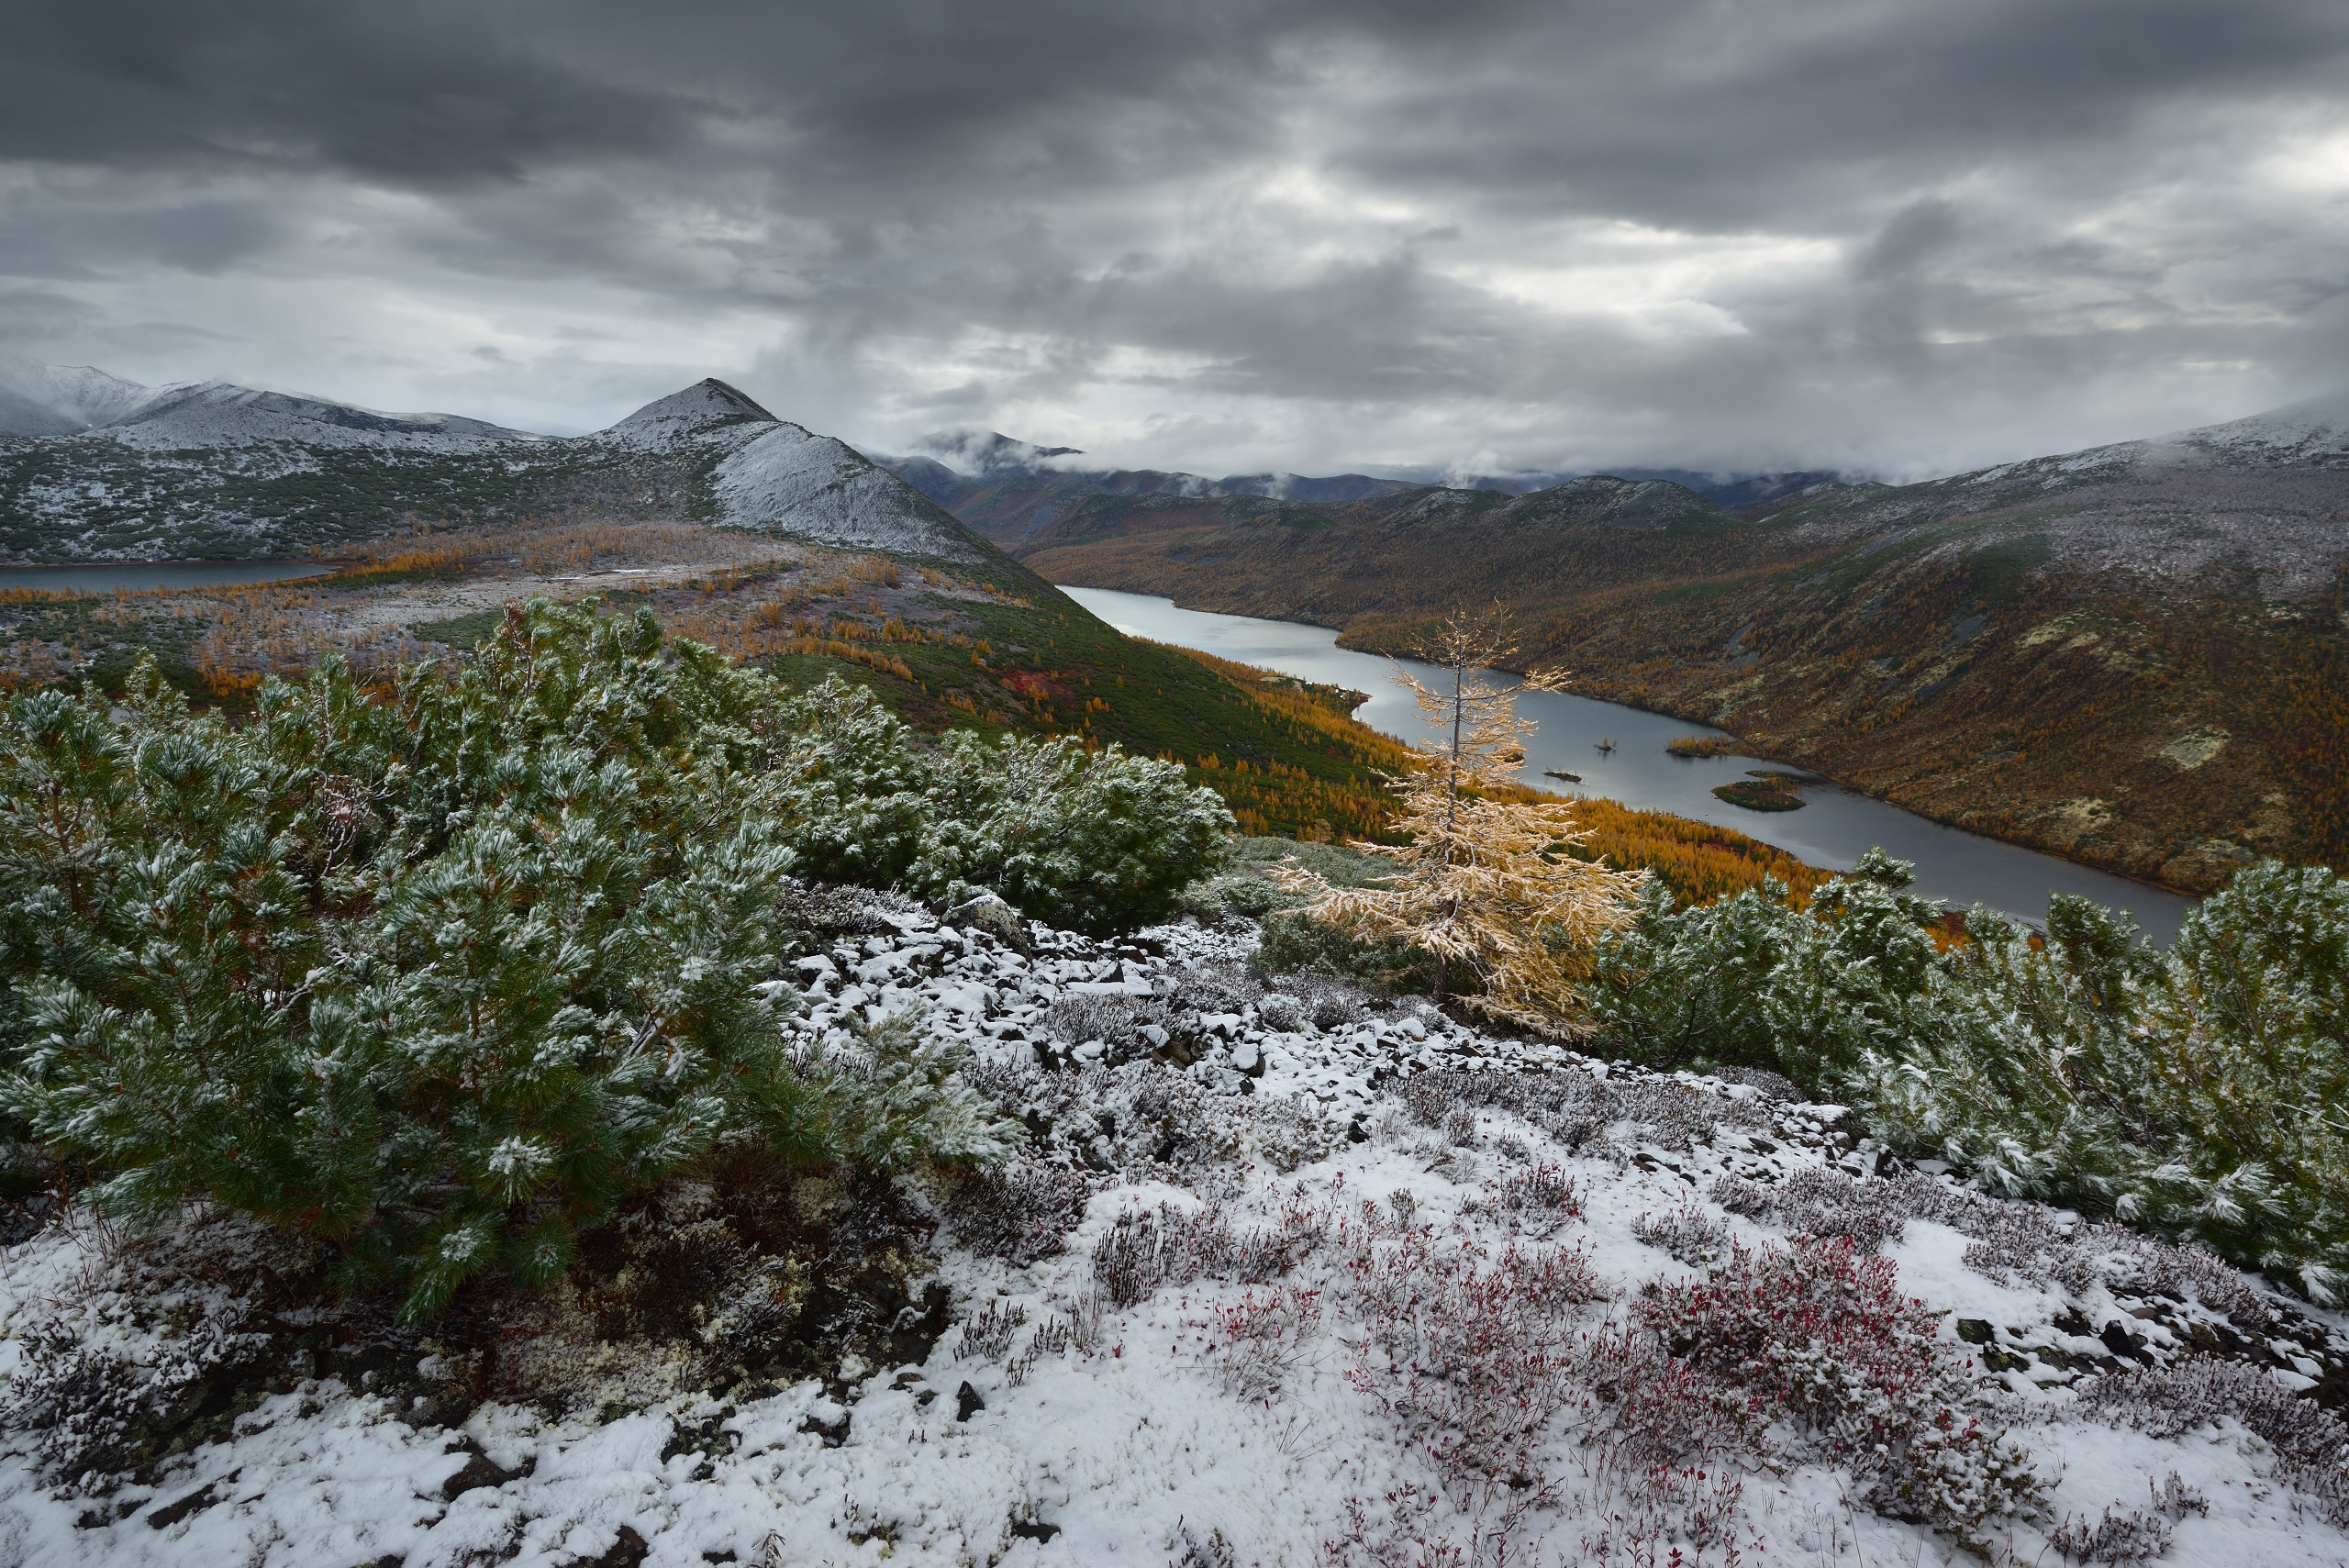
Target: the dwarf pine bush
(2195, 1092)
(440, 976)
(1095, 842)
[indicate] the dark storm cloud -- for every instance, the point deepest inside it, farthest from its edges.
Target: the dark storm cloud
(1712, 232)
(419, 92)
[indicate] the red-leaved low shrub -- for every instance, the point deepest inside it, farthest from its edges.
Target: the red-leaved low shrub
(1813, 1344)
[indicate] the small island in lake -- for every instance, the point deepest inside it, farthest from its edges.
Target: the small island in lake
(1764, 791)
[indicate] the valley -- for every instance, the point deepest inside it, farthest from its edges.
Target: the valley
(2132, 656)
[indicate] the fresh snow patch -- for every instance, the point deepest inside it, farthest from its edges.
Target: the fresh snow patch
(1212, 1415)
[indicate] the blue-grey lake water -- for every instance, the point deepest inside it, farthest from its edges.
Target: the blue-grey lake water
(104, 577)
(1833, 829)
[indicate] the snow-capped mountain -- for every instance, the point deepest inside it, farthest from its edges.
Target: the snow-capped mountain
(778, 477)
(2314, 432)
(63, 400)
(57, 400)
(111, 470)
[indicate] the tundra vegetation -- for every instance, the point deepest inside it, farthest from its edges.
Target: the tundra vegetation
(599, 1023)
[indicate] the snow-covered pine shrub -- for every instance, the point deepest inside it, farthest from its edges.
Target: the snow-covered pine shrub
(438, 980)
(2190, 1092)
(2311, 1444)
(1750, 981)
(1818, 1335)
(1095, 841)
(2245, 1046)
(2195, 1093)
(1687, 985)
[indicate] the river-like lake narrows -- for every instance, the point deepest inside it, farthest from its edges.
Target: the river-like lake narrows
(1833, 829)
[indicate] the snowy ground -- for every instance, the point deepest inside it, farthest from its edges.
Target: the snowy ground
(1214, 1369)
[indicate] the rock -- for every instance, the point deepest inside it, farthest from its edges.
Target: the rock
(195, 1502)
(834, 1432)
(479, 1470)
(627, 1551)
(967, 1402)
(1000, 920)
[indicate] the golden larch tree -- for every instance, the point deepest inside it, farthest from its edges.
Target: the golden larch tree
(1486, 879)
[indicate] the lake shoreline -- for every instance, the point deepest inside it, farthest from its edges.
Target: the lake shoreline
(2036, 846)
(1841, 812)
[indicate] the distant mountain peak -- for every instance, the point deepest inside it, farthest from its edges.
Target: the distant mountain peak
(986, 452)
(55, 400)
(705, 403)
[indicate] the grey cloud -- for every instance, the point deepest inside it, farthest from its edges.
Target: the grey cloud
(1292, 226)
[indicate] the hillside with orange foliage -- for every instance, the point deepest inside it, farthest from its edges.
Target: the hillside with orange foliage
(944, 648)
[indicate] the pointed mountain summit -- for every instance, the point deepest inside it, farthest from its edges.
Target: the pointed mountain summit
(707, 404)
(773, 476)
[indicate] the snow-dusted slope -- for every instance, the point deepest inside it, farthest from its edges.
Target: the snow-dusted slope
(2264, 498)
(703, 412)
(790, 481)
(1359, 1287)
(58, 400)
(2313, 432)
(221, 413)
(121, 472)
(781, 478)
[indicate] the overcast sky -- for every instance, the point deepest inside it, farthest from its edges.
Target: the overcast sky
(1895, 235)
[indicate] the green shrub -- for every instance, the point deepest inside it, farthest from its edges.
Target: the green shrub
(1292, 944)
(1096, 842)
(440, 978)
(2196, 1092)
(1750, 981)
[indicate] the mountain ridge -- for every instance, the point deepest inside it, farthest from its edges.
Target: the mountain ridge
(213, 470)
(1010, 489)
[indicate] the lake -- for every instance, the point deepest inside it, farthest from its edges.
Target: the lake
(104, 577)
(1833, 829)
